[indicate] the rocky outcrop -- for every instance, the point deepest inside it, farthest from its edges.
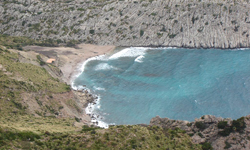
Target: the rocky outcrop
(221, 133)
(181, 23)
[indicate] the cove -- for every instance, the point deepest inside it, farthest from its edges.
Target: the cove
(135, 84)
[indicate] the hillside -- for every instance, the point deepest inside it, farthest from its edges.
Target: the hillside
(28, 89)
(187, 23)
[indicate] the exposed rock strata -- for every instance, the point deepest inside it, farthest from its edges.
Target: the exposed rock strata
(210, 132)
(181, 23)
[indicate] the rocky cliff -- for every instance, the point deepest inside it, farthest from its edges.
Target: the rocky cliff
(221, 133)
(181, 23)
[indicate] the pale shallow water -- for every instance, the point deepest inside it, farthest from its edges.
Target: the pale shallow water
(136, 84)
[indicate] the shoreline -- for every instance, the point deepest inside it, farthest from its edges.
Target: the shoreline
(92, 105)
(70, 61)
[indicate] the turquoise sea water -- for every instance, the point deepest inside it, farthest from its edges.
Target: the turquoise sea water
(136, 84)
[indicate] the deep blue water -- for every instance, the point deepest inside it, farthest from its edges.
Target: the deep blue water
(136, 84)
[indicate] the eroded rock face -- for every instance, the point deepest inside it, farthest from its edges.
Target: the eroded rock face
(181, 23)
(205, 129)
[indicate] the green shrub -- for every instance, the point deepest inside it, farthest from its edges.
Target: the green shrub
(87, 128)
(42, 63)
(171, 36)
(81, 9)
(227, 145)
(201, 135)
(141, 33)
(77, 119)
(39, 143)
(92, 31)
(194, 19)
(239, 124)
(153, 14)
(226, 131)
(200, 125)
(207, 146)
(27, 135)
(39, 58)
(72, 43)
(222, 124)
(163, 29)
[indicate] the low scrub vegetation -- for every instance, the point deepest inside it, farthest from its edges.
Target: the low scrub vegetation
(237, 126)
(17, 42)
(116, 137)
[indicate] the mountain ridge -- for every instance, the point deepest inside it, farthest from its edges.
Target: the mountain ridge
(183, 23)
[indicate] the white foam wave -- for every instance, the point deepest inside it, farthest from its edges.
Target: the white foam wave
(104, 66)
(100, 57)
(100, 123)
(139, 59)
(81, 68)
(130, 52)
(95, 118)
(91, 106)
(99, 88)
(240, 49)
(171, 47)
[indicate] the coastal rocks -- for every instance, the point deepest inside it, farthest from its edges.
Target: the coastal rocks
(85, 97)
(200, 24)
(221, 133)
(168, 123)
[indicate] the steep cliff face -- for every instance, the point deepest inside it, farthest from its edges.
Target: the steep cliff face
(221, 133)
(187, 23)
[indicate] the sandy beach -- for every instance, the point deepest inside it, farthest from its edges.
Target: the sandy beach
(69, 59)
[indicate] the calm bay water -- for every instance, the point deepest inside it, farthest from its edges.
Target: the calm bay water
(136, 84)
